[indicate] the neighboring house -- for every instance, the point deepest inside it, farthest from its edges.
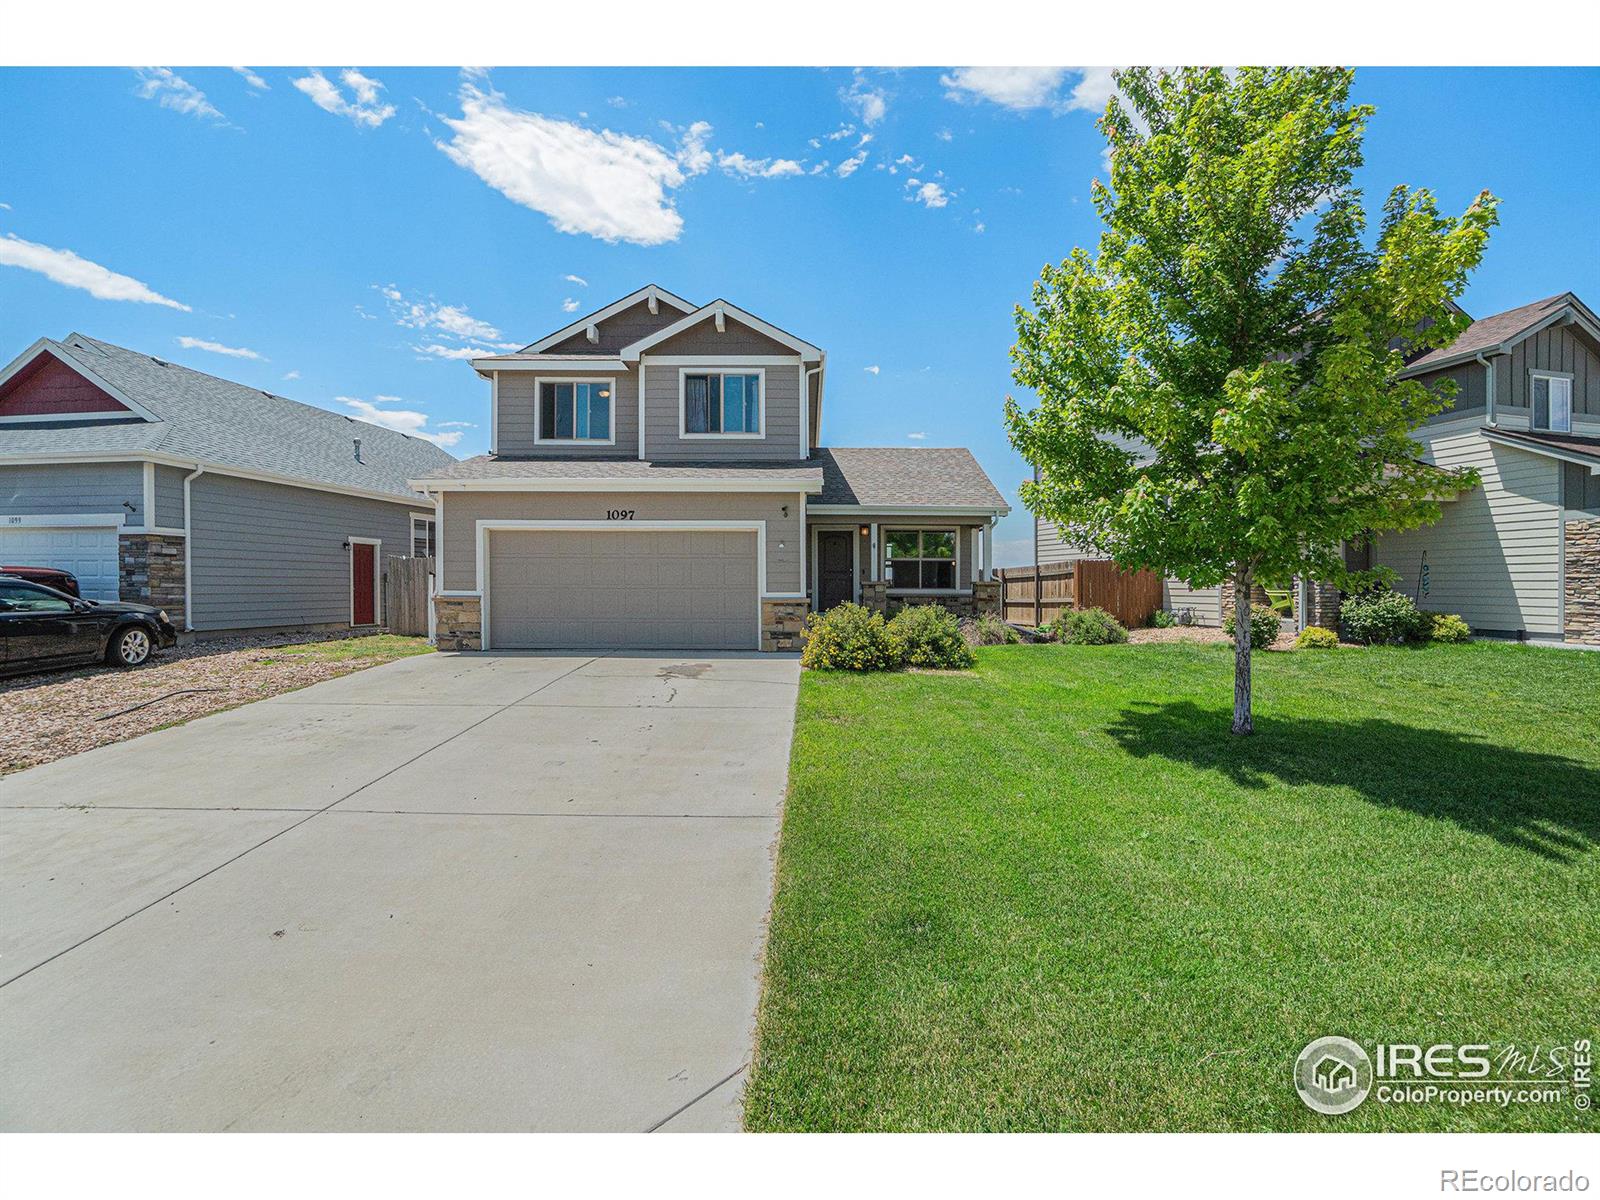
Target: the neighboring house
(1518, 556)
(230, 507)
(656, 479)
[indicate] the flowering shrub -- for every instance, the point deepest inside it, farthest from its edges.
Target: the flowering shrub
(927, 635)
(849, 638)
(1381, 616)
(1264, 627)
(1447, 627)
(1315, 637)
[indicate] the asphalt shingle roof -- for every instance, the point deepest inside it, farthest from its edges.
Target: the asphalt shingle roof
(227, 424)
(1567, 443)
(1489, 332)
(892, 476)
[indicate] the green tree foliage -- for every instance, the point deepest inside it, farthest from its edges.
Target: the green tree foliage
(1218, 384)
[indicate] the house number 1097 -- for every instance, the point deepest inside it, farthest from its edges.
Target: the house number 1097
(619, 514)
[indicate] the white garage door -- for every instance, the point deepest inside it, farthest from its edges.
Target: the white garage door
(89, 552)
(646, 589)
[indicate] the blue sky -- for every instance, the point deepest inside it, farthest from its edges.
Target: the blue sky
(355, 228)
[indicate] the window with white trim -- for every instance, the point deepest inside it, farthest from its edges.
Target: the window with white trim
(423, 542)
(721, 403)
(1552, 401)
(920, 559)
(576, 410)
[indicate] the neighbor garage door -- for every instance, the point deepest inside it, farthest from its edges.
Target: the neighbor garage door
(628, 588)
(89, 552)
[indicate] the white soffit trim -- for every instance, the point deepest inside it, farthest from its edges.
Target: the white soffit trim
(618, 484)
(648, 292)
(59, 352)
(908, 510)
(545, 362)
(718, 310)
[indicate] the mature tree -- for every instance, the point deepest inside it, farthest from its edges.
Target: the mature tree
(1218, 385)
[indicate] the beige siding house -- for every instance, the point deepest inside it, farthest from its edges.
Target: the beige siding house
(656, 479)
(1518, 556)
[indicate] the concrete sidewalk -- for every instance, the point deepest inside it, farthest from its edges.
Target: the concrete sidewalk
(475, 892)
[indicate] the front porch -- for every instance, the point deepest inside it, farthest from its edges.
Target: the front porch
(885, 561)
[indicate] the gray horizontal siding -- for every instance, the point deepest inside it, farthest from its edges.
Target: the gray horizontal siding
(463, 510)
(73, 489)
(266, 554)
(169, 497)
(516, 426)
(781, 437)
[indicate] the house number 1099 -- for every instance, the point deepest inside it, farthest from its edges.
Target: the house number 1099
(619, 514)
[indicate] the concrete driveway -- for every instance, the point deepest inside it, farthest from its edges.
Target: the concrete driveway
(458, 892)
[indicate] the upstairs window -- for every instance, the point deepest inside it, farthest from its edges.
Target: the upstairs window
(422, 537)
(575, 410)
(1552, 401)
(722, 403)
(920, 559)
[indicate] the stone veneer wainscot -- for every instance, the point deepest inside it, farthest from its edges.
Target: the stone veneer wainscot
(1583, 581)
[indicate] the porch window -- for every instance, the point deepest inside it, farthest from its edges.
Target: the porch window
(1552, 402)
(721, 403)
(572, 410)
(921, 559)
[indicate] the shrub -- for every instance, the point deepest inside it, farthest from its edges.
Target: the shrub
(1162, 619)
(1384, 617)
(1265, 625)
(1089, 627)
(990, 630)
(848, 638)
(1315, 637)
(1447, 627)
(927, 635)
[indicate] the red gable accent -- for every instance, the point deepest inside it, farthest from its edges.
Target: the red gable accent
(47, 387)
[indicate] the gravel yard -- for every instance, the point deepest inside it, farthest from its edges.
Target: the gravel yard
(1196, 633)
(49, 716)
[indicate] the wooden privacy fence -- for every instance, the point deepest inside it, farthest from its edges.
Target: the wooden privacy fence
(1040, 594)
(405, 582)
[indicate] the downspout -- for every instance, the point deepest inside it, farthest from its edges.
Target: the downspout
(188, 552)
(805, 406)
(1488, 386)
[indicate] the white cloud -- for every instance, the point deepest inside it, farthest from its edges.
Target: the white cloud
(758, 168)
(1094, 88)
(291, 375)
(608, 185)
(979, 227)
(250, 77)
(401, 420)
(190, 343)
(454, 353)
(840, 133)
(1017, 88)
(66, 268)
(175, 92)
(365, 109)
(569, 305)
(872, 370)
(869, 103)
(930, 194)
(456, 425)
(577, 279)
(617, 101)
(917, 437)
(850, 165)
(944, 135)
(450, 320)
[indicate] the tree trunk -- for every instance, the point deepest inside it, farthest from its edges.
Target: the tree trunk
(1243, 722)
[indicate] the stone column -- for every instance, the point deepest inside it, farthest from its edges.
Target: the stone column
(150, 571)
(1582, 584)
(458, 622)
(875, 595)
(986, 598)
(782, 623)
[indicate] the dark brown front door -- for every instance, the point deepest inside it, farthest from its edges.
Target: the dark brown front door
(835, 572)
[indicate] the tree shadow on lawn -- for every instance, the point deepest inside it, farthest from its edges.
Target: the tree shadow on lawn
(1538, 802)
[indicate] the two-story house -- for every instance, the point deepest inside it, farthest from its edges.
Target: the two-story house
(1519, 555)
(656, 479)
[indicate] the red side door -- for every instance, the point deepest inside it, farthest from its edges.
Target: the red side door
(363, 584)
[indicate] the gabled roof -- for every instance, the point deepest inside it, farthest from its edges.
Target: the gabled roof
(649, 292)
(188, 416)
(1497, 334)
(896, 477)
(717, 310)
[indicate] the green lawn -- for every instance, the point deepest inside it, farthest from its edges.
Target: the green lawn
(1053, 893)
(383, 646)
